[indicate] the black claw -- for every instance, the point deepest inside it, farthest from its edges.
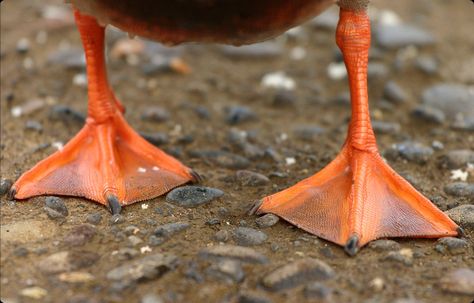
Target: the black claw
(196, 177)
(114, 205)
(351, 247)
(255, 207)
(11, 194)
(461, 232)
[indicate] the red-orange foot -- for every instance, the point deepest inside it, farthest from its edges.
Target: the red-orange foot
(358, 198)
(108, 163)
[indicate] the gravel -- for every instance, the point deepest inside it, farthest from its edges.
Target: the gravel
(459, 281)
(401, 35)
(193, 196)
(384, 245)
(250, 178)
(247, 236)
(452, 245)
(5, 185)
(55, 208)
(462, 215)
(267, 220)
(240, 253)
(460, 189)
(171, 229)
(80, 235)
(395, 93)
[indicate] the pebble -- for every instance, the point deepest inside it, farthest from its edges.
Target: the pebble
(381, 127)
(384, 245)
(28, 107)
(308, 133)
(414, 151)
(151, 298)
(134, 240)
(459, 281)
(55, 208)
(263, 50)
(116, 219)
(284, 98)
(297, 273)
(463, 215)
(23, 46)
(149, 267)
(155, 241)
(404, 256)
(267, 220)
(452, 245)
(240, 253)
(5, 185)
(80, 235)
(222, 236)
(155, 114)
(94, 218)
(21, 251)
(251, 296)
(250, 178)
(238, 114)
(157, 138)
(66, 114)
(34, 292)
(327, 20)
(170, 229)
(227, 270)
(70, 58)
(193, 196)
(33, 125)
(247, 236)
(427, 64)
(126, 253)
(401, 35)
(458, 158)
(429, 114)
(76, 277)
(318, 291)
(222, 158)
(66, 261)
(278, 80)
(394, 93)
(460, 189)
(377, 71)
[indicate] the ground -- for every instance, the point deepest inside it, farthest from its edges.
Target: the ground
(198, 105)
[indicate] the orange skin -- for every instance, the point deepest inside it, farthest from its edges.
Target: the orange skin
(357, 198)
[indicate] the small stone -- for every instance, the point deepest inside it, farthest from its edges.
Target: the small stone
(460, 189)
(252, 297)
(278, 80)
(326, 20)
(76, 277)
(33, 125)
(155, 241)
(401, 35)
(459, 281)
(5, 185)
(384, 245)
(377, 71)
(240, 253)
(462, 215)
(55, 208)
(126, 253)
(426, 64)
(66, 261)
(149, 267)
(381, 127)
(455, 246)
(71, 58)
(171, 229)
(156, 114)
(283, 98)
(66, 114)
(80, 235)
(227, 270)
(21, 251)
(239, 114)
(394, 93)
(429, 114)
(202, 112)
(377, 284)
(151, 298)
(34, 292)
(404, 256)
(262, 50)
(23, 46)
(250, 178)
(193, 196)
(458, 158)
(297, 273)
(134, 240)
(318, 291)
(414, 151)
(157, 139)
(116, 219)
(222, 236)
(247, 236)
(94, 218)
(222, 158)
(267, 220)
(308, 133)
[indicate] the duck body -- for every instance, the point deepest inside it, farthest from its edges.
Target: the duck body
(234, 22)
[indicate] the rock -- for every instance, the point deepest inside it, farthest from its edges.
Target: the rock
(459, 281)
(460, 189)
(71, 58)
(126, 253)
(226, 270)
(250, 178)
(66, 261)
(247, 236)
(429, 114)
(327, 20)
(33, 125)
(156, 114)
(239, 140)
(55, 207)
(5, 185)
(317, 291)
(157, 139)
(401, 35)
(384, 245)
(267, 220)
(80, 235)
(458, 158)
(283, 98)
(308, 133)
(147, 268)
(381, 127)
(193, 196)
(222, 158)
(454, 245)
(222, 236)
(414, 151)
(462, 215)
(151, 298)
(427, 64)
(116, 219)
(20, 251)
(252, 297)
(404, 256)
(377, 71)
(243, 254)
(155, 241)
(94, 218)
(134, 240)
(170, 229)
(76, 277)
(238, 114)
(34, 292)
(394, 93)
(262, 50)
(297, 273)
(66, 114)
(23, 46)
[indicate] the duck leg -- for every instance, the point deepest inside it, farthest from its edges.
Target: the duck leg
(358, 198)
(107, 161)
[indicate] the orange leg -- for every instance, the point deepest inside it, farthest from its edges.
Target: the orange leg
(107, 161)
(358, 198)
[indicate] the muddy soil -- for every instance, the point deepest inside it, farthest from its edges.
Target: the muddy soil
(220, 80)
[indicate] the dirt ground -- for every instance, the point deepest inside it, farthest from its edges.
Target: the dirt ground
(216, 82)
